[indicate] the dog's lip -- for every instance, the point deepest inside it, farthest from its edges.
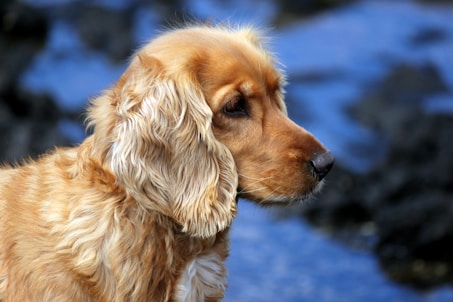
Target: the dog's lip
(276, 200)
(282, 199)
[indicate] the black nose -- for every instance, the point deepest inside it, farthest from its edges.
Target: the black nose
(321, 164)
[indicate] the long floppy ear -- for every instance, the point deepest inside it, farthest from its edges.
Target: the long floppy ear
(163, 150)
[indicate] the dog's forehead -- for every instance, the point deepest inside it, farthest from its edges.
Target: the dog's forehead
(214, 48)
(218, 57)
(238, 60)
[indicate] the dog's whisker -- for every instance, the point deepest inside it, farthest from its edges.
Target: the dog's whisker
(255, 178)
(270, 196)
(253, 188)
(243, 191)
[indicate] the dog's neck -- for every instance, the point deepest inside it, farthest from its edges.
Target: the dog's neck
(162, 261)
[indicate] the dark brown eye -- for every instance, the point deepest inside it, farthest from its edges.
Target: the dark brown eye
(236, 107)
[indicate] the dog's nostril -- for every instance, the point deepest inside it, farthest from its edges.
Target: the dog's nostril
(322, 163)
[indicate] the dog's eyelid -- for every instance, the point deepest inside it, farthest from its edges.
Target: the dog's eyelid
(236, 106)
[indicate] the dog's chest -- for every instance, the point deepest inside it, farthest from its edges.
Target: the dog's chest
(204, 277)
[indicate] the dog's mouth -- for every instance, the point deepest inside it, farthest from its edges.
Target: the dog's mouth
(281, 199)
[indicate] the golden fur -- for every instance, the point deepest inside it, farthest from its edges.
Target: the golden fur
(140, 210)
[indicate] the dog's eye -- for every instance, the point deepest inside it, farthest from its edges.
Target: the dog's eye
(236, 107)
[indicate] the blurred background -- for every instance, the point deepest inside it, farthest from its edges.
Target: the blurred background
(373, 80)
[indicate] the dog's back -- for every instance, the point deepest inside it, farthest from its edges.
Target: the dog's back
(34, 200)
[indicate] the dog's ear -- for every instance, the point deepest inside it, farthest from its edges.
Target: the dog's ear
(163, 150)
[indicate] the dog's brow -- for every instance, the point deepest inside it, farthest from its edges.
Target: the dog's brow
(246, 88)
(222, 93)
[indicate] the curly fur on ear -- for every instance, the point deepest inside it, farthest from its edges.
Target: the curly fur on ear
(162, 149)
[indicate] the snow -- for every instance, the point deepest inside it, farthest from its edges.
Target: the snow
(286, 260)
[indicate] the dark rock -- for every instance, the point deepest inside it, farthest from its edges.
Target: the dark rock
(413, 210)
(390, 106)
(105, 30)
(28, 125)
(20, 21)
(23, 32)
(293, 10)
(437, 1)
(428, 36)
(340, 205)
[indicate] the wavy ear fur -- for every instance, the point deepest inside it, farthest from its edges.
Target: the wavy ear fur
(162, 150)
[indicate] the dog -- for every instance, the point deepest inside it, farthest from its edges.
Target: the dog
(140, 210)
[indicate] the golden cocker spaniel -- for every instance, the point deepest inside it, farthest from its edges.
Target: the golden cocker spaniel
(140, 211)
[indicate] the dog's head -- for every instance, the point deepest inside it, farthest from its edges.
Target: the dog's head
(199, 116)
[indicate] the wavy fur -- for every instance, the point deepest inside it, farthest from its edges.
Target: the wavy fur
(140, 211)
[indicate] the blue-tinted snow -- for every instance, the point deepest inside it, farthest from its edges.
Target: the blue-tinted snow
(235, 11)
(286, 260)
(68, 71)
